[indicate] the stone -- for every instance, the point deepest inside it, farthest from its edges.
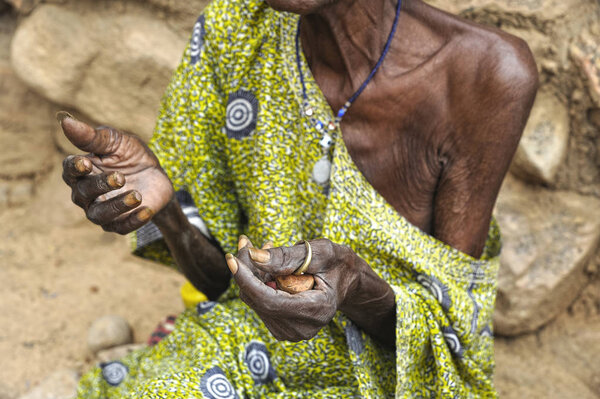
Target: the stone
(4, 194)
(193, 7)
(541, 12)
(549, 238)
(61, 384)
(108, 332)
(521, 375)
(27, 151)
(23, 6)
(115, 72)
(543, 146)
(594, 117)
(118, 352)
(21, 191)
(585, 52)
(6, 392)
(25, 124)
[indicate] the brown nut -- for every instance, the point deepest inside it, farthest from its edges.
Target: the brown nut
(295, 284)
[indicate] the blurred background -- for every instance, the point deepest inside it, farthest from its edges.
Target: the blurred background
(109, 61)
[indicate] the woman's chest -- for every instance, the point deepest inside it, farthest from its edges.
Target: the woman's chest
(399, 156)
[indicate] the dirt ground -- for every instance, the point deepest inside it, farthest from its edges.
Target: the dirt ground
(59, 273)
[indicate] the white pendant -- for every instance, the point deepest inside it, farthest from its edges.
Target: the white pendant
(326, 141)
(321, 171)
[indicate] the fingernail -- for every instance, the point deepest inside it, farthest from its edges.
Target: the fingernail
(115, 180)
(132, 199)
(243, 241)
(259, 255)
(62, 115)
(82, 165)
(231, 263)
(145, 214)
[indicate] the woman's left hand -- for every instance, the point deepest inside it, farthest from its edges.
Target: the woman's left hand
(300, 316)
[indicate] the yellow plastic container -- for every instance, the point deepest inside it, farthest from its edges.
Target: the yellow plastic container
(191, 296)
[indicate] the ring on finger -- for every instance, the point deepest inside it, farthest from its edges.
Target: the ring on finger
(307, 259)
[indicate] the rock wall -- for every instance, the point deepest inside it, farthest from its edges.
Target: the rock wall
(549, 208)
(110, 61)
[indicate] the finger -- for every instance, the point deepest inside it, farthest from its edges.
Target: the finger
(75, 166)
(283, 261)
(268, 245)
(104, 212)
(101, 141)
(246, 280)
(131, 223)
(244, 241)
(89, 188)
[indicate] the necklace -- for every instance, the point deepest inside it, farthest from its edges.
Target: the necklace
(322, 168)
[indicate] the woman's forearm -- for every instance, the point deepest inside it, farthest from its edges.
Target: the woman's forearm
(372, 305)
(199, 259)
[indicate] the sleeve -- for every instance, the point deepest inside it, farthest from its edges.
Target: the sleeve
(188, 141)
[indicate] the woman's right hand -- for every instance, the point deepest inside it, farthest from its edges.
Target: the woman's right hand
(119, 184)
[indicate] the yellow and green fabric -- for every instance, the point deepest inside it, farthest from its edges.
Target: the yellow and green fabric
(233, 139)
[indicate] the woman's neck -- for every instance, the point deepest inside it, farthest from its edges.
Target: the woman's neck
(348, 36)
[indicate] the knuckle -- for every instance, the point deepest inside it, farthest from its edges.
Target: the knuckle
(244, 256)
(122, 231)
(76, 198)
(101, 184)
(298, 335)
(116, 207)
(121, 228)
(277, 335)
(326, 248)
(93, 216)
(302, 336)
(66, 179)
(107, 227)
(286, 255)
(80, 188)
(68, 161)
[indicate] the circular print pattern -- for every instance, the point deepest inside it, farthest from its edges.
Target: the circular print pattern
(242, 109)
(215, 385)
(205, 307)
(487, 332)
(259, 362)
(114, 372)
(197, 40)
(452, 341)
(439, 290)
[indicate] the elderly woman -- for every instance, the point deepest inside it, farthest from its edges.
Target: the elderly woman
(367, 139)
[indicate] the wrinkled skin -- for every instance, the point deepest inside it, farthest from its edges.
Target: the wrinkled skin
(433, 133)
(120, 186)
(339, 275)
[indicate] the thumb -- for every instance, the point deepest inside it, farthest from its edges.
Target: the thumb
(83, 136)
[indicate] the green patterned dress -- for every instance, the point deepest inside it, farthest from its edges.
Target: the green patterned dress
(240, 153)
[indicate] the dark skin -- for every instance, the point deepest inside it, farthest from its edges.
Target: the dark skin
(433, 133)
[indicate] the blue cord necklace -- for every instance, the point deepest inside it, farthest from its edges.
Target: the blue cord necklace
(322, 168)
